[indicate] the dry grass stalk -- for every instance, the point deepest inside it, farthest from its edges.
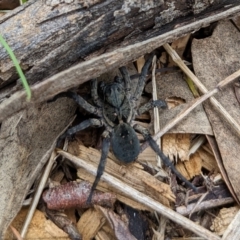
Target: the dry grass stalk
(156, 121)
(38, 194)
(142, 198)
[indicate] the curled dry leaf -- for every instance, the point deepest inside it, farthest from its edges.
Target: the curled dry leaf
(74, 195)
(120, 228)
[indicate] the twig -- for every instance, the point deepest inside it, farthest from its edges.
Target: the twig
(195, 207)
(201, 87)
(38, 194)
(193, 105)
(156, 123)
(16, 233)
(142, 198)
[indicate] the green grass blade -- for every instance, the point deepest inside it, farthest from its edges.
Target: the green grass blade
(19, 70)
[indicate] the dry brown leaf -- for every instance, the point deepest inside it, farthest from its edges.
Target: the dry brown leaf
(118, 225)
(173, 86)
(180, 44)
(140, 62)
(215, 58)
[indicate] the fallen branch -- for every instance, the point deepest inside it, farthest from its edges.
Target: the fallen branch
(92, 68)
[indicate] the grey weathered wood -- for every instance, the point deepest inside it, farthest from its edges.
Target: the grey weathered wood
(49, 39)
(26, 142)
(95, 66)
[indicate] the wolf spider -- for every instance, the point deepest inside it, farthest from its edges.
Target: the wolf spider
(116, 108)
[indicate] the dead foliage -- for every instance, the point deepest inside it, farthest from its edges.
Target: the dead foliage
(203, 145)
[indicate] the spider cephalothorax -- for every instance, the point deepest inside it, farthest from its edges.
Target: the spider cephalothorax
(116, 107)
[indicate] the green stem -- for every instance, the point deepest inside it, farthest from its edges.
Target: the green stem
(19, 70)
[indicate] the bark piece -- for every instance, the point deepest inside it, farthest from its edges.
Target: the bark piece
(8, 4)
(74, 195)
(215, 58)
(64, 223)
(26, 142)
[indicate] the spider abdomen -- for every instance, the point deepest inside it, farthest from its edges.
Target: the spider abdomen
(125, 143)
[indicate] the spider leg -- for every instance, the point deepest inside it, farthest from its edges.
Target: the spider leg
(94, 93)
(147, 136)
(127, 80)
(151, 104)
(80, 101)
(87, 123)
(101, 165)
(142, 79)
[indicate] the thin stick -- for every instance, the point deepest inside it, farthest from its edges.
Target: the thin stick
(142, 198)
(38, 194)
(193, 105)
(201, 87)
(156, 123)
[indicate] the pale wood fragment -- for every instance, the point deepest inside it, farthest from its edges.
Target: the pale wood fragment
(190, 168)
(233, 230)
(208, 160)
(132, 174)
(39, 226)
(142, 198)
(223, 219)
(90, 223)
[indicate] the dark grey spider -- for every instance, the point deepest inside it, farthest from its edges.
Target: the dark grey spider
(116, 108)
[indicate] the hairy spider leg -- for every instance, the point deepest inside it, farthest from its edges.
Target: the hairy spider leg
(102, 163)
(91, 122)
(94, 93)
(151, 104)
(127, 80)
(147, 136)
(142, 79)
(80, 101)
